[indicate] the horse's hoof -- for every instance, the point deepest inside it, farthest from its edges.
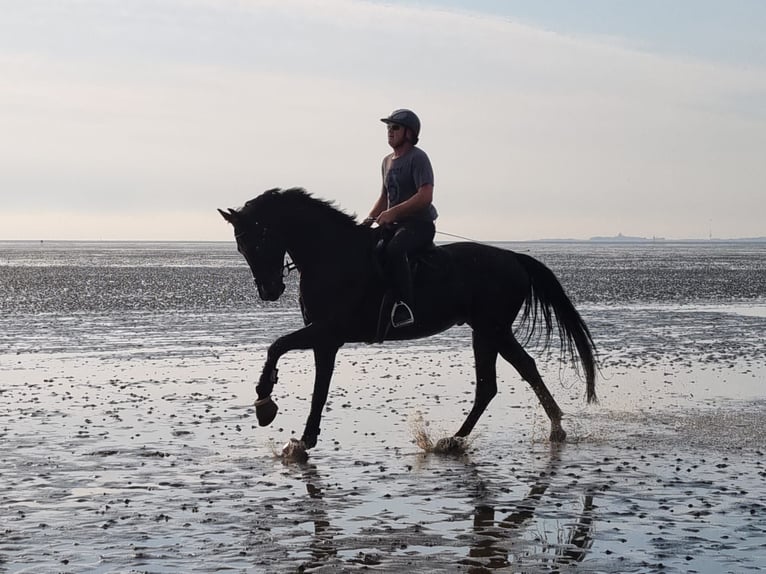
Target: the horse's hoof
(295, 451)
(558, 435)
(450, 445)
(266, 412)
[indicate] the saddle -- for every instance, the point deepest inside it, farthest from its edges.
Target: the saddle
(425, 256)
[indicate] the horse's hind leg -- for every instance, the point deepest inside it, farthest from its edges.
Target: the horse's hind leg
(514, 353)
(485, 353)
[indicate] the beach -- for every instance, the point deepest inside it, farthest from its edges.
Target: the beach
(129, 441)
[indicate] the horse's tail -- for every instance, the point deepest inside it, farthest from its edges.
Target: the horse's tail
(547, 298)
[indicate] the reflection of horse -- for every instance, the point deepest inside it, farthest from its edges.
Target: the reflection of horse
(495, 536)
(497, 540)
(341, 292)
(517, 537)
(322, 546)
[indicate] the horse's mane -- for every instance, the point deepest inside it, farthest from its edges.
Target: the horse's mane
(297, 200)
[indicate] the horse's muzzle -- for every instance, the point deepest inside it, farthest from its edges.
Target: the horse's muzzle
(270, 291)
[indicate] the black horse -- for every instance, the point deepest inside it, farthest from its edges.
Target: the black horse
(342, 289)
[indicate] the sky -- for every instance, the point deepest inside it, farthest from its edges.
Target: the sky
(557, 119)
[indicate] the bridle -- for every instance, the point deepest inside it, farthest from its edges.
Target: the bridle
(288, 264)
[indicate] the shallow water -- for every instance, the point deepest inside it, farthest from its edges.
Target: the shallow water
(129, 441)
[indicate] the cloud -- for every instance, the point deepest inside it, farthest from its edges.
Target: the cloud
(112, 109)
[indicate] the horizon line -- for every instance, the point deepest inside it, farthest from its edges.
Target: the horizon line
(594, 239)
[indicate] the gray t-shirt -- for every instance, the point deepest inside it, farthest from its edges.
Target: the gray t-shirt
(403, 176)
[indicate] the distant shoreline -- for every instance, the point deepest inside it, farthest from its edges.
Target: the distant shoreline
(619, 239)
(624, 239)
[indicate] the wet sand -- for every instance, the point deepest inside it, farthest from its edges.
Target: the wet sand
(148, 458)
(129, 443)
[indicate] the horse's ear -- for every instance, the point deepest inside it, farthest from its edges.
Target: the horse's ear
(231, 216)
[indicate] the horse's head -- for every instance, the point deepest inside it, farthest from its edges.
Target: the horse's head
(278, 221)
(260, 243)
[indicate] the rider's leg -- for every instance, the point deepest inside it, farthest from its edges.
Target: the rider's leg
(409, 237)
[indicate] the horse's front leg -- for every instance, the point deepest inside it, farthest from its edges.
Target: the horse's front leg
(306, 338)
(324, 360)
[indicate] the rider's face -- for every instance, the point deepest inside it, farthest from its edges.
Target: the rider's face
(396, 134)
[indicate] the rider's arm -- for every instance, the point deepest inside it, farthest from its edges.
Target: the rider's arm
(378, 208)
(417, 203)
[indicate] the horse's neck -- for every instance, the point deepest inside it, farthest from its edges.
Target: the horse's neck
(317, 249)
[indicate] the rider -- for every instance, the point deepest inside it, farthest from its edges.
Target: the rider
(404, 207)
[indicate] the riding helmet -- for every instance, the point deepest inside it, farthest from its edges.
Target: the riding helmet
(406, 118)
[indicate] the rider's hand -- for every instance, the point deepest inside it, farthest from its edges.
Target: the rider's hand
(368, 221)
(386, 218)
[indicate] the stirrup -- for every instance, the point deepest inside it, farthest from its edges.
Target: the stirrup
(403, 321)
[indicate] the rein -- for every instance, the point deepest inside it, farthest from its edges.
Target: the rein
(458, 236)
